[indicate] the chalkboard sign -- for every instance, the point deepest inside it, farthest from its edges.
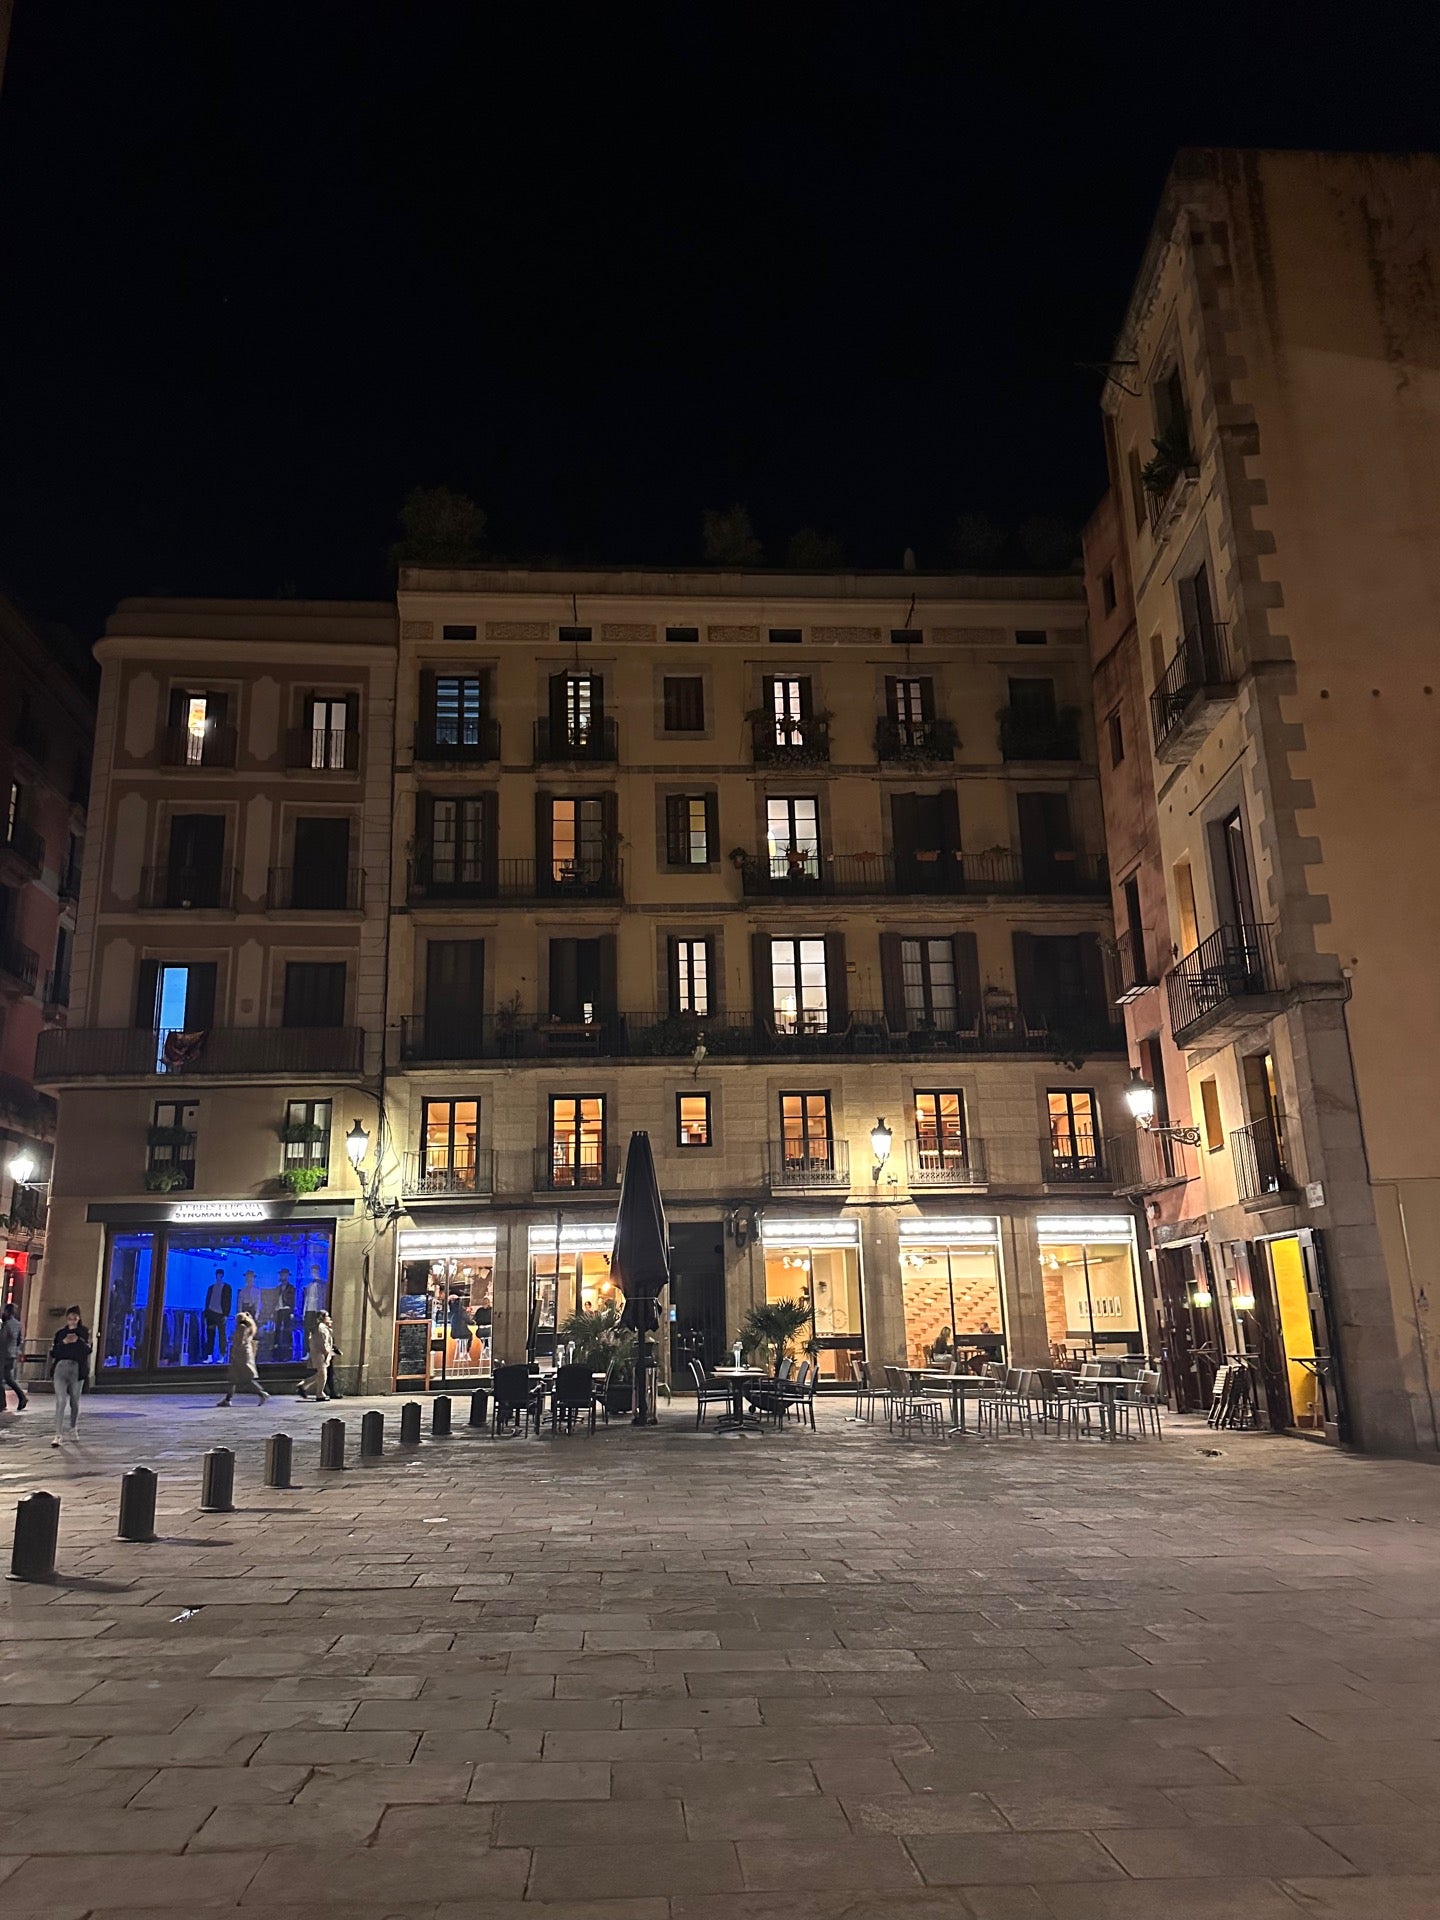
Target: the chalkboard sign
(412, 1345)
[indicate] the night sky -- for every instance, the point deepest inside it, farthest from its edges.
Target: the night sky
(264, 268)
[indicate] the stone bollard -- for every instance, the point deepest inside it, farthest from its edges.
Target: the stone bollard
(480, 1408)
(332, 1446)
(217, 1481)
(137, 1505)
(279, 1452)
(37, 1528)
(410, 1424)
(372, 1435)
(440, 1416)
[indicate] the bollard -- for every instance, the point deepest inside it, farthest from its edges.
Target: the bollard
(217, 1481)
(440, 1416)
(137, 1505)
(480, 1408)
(372, 1435)
(278, 1454)
(410, 1424)
(332, 1446)
(37, 1528)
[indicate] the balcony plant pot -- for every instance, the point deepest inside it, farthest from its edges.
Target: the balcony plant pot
(302, 1133)
(298, 1181)
(166, 1180)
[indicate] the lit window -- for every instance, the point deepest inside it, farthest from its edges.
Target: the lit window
(1074, 1137)
(577, 1141)
(792, 838)
(197, 721)
(940, 1131)
(687, 829)
(692, 1119)
(928, 969)
(800, 1001)
(805, 1132)
(692, 976)
(577, 840)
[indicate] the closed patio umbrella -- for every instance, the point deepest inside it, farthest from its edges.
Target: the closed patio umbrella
(640, 1262)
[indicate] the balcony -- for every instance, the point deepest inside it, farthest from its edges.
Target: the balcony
(466, 743)
(1040, 736)
(803, 741)
(1133, 965)
(27, 1209)
(322, 750)
(947, 1163)
(23, 849)
(1077, 1161)
(95, 1053)
(560, 1169)
(1227, 987)
(464, 1173)
(1142, 1162)
(807, 873)
(187, 889)
(179, 747)
(441, 878)
(292, 891)
(19, 966)
(599, 743)
(811, 1166)
(1197, 687)
(1261, 1175)
(915, 743)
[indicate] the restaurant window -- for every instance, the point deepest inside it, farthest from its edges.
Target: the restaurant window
(940, 1131)
(306, 1135)
(692, 1120)
(689, 829)
(577, 840)
(823, 1274)
(445, 1310)
(170, 1147)
(691, 970)
(953, 1302)
(798, 984)
(565, 1280)
(928, 972)
(577, 1140)
(331, 724)
(1074, 1133)
(1091, 1301)
(449, 1130)
(684, 702)
(806, 1140)
(314, 994)
(792, 837)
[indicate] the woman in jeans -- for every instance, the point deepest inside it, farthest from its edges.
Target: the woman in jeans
(69, 1363)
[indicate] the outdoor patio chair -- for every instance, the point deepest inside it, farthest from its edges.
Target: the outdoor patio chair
(1140, 1397)
(705, 1392)
(765, 1395)
(516, 1399)
(797, 1396)
(1010, 1402)
(572, 1393)
(865, 1392)
(913, 1409)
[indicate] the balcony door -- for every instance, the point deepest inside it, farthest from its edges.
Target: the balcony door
(322, 864)
(792, 838)
(174, 997)
(807, 1139)
(1233, 882)
(582, 980)
(1047, 845)
(194, 866)
(454, 997)
(450, 1130)
(925, 834)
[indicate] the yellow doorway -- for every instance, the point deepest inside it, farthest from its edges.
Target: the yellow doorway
(1297, 1335)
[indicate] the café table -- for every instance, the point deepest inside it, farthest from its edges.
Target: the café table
(959, 1386)
(1108, 1386)
(735, 1378)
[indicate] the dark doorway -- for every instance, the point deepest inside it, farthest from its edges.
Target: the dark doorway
(194, 873)
(697, 1296)
(322, 864)
(1190, 1334)
(454, 998)
(1047, 847)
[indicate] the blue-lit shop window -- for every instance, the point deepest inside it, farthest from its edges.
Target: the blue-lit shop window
(281, 1277)
(127, 1301)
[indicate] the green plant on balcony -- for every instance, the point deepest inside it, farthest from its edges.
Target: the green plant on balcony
(301, 1180)
(1173, 456)
(672, 1037)
(303, 1133)
(774, 1324)
(916, 745)
(812, 749)
(166, 1179)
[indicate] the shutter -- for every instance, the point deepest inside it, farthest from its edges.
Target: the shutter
(609, 819)
(892, 980)
(807, 703)
(712, 828)
(892, 698)
(674, 836)
(490, 837)
(178, 700)
(672, 973)
(837, 991)
(927, 699)
(597, 702)
(564, 980)
(425, 836)
(147, 986)
(544, 862)
(217, 709)
(762, 990)
(607, 993)
(200, 996)
(427, 728)
(967, 974)
(1092, 974)
(1027, 983)
(558, 729)
(712, 978)
(904, 823)
(948, 809)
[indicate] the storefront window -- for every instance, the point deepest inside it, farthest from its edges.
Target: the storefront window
(127, 1301)
(1091, 1299)
(953, 1303)
(560, 1284)
(444, 1317)
(826, 1276)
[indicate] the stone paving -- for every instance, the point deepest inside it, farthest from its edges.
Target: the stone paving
(665, 1676)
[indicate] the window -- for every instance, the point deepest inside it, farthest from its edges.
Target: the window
(1185, 907)
(321, 876)
(575, 636)
(1172, 422)
(789, 706)
(1107, 590)
(689, 829)
(906, 637)
(792, 837)
(1031, 637)
(690, 976)
(459, 839)
(197, 729)
(577, 840)
(457, 633)
(197, 725)
(928, 972)
(1074, 1135)
(684, 704)
(940, 1131)
(174, 1000)
(170, 1147)
(582, 980)
(314, 994)
(194, 873)
(577, 1140)
(448, 1131)
(1032, 698)
(798, 986)
(785, 636)
(581, 705)
(306, 1134)
(330, 727)
(806, 1140)
(910, 707)
(1117, 739)
(682, 636)
(1210, 1112)
(459, 709)
(692, 1120)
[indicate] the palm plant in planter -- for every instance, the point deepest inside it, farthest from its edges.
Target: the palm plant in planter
(774, 1324)
(600, 1340)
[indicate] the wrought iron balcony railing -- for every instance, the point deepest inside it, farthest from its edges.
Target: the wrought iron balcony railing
(945, 1163)
(459, 742)
(1139, 1161)
(1202, 669)
(1260, 1167)
(802, 871)
(24, 844)
(322, 749)
(1040, 736)
(555, 745)
(813, 1165)
(1076, 1159)
(915, 743)
(215, 747)
(86, 1053)
(299, 890)
(1132, 963)
(1226, 973)
(185, 889)
(57, 987)
(568, 1166)
(790, 742)
(454, 1173)
(19, 964)
(444, 875)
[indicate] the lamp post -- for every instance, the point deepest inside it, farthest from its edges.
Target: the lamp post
(357, 1146)
(1140, 1099)
(881, 1140)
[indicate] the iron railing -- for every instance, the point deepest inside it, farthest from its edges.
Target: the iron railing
(322, 749)
(19, 963)
(440, 877)
(1075, 1159)
(83, 1053)
(790, 742)
(183, 889)
(26, 844)
(459, 742)
(214, 748)
(453, 1173)
(1201, 660)
(1260, 1167)
(570, 1167)
(915, 742)
(1132, 963)
(945, 1163)
(600, 741)
(1140, 1161)
(1040, 736)
(940, 870)
(339, 890)
(1234, 964)
(813, 1165)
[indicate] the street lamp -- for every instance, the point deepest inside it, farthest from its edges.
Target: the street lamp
(881, 1140)
(22, 1167)
(357, 1145)
(1140, 1099)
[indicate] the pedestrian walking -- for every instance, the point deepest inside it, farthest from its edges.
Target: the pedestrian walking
(69, 1363)
(10, 1357)
(322, 1351)
(243, 1377)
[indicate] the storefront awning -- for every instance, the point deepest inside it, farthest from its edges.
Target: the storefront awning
(575, 1236)
(826, 1230)
(447, 1243)
(1053, 1230)
(952, 1230)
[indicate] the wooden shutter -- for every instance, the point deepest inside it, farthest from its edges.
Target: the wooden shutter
(904, 823)
(837, 990)
(564, 979)
(559, 726)
(675, 838)
(179, 699)
(200, 996)
(490, 836)
(892, 979)
(927, 699)
(544, 860)
(217, 709)
(672, 973)
(807, 702)
(967, 973)
(712, 828)
(762, 987)
(1092, 973)
(597, 702)
(610, 820)
(1027, 982)
(427, 727)
(147, 985)
(608, 992)
(948, 809)
(892, 697)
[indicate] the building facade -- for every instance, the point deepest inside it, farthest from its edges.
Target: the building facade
(753, 863)
(1264, 579)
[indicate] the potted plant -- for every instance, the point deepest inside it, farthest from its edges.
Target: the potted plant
(739, 859)
(302, 1133)
(301, 1180)
(600, 1339)
(166, 1179)
(1173, 456)
(774, 1324)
